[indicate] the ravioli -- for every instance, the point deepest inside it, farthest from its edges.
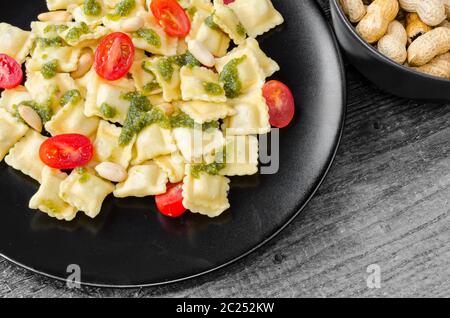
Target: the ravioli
(201, 84)
(24, 156)
(143, 180)
(241, 156)
(71, 119)
(196, 144)
(250, 74)
(173, 165)
(47, 198)
(206, 194)
(102, 94)
(252, 116)
(11, 130)
(257, 16)
(85, 191)
(15, 42)
(107, 146)
(215, 40)
(13, 97)
(203, 112)
(152, 142)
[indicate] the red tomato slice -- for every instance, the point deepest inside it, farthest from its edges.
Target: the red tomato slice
(172, 17)
(227, 1)
(281, 103)
(67, 151)
(171, 202)
(11, 74)
(114, 56)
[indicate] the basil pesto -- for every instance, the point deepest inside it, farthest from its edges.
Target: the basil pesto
(213, 89)
(150, 36)
(43, 110)
(108, 111)
(50, 42)
(150, 87)
(136, 117)
(72, 96)
(191, 11)
(241, 30)
(49, 69)
(76, 32)
(92, 8)
(212, 168)
(166, 66)
(55, 28)
(182, 120)
(209, 21)
(122, 9)
(230, 77)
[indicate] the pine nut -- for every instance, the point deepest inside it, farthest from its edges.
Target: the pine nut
(55, 16)
(132, 24)
(111, 171)
(30, 116)
(201, 53)
(84, 64)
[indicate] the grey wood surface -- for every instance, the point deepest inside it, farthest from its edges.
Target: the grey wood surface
(384, 202)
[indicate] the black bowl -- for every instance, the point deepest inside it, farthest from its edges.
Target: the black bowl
(383, 72)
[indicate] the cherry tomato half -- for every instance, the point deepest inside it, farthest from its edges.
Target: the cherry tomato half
(281, 103)
(171, 202)
(11, 74)
(172, 17)
(67, 151)
(114, 56)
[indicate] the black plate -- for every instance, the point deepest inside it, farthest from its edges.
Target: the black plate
(130, 243)
(383, 72)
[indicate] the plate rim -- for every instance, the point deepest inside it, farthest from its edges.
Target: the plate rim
(299, 209)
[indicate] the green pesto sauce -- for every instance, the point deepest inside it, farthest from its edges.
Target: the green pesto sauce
(166, 65)
(55, 28)
(191, 11)
(136, 117)
(182, 120)
(213, 89)
(73, 96)
(92, 8)
(230, 77)
(122, 9)
(50, 42)
(76, 32)
(209, 21)
(150, 87)
(150, 36)
(165, 68)
(212, 168)
(241, 30)
(43, 110)
(49, 69)
(187, 59)
(108, 111)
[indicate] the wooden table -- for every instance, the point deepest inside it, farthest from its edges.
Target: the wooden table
(384, 202)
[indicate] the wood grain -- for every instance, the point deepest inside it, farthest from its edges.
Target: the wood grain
(385, 202)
